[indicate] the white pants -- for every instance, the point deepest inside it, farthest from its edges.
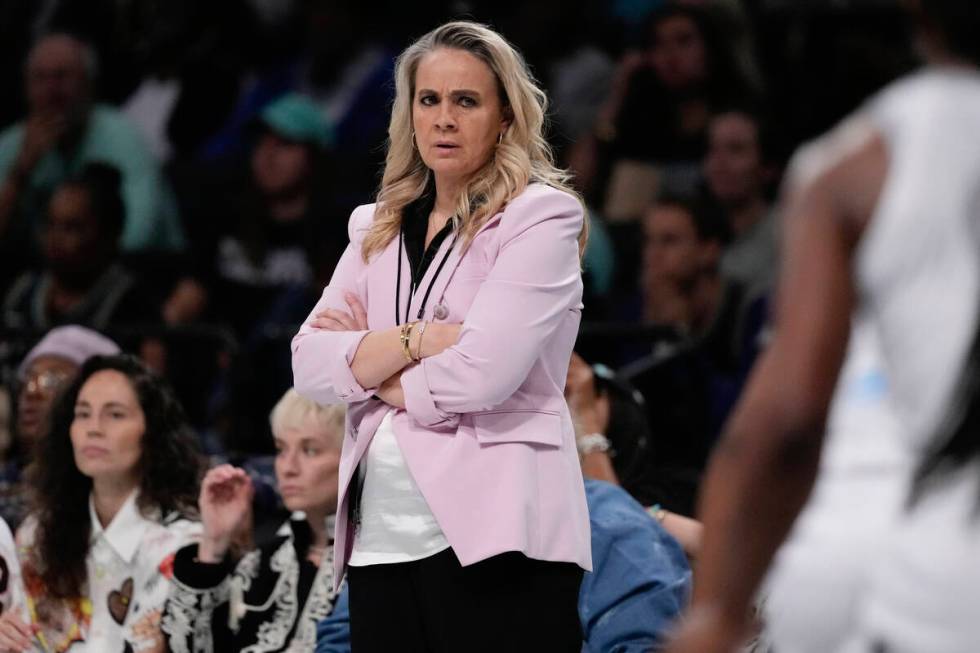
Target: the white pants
(811, 596)
(924, 594)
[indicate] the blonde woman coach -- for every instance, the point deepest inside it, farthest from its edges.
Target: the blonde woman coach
(447, 328)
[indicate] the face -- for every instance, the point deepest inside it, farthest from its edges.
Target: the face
(678, 53)
(57, 82)
(671, 251)
(107, 432)
(733, 166)
(456, 113)
(279, 166)
(46, 376)
(70, 238)
(307, 461)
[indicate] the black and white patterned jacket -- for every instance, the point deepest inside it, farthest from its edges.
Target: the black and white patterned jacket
(270, 601)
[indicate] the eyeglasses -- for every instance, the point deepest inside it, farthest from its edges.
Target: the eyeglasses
(46, 382)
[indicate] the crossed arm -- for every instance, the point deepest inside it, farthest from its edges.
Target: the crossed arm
(380, 357)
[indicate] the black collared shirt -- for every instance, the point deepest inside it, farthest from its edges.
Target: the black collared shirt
(415, 224)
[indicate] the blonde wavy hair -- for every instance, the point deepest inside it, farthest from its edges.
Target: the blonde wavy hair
(522, 156)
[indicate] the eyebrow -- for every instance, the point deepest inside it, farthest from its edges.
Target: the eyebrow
(456, 93)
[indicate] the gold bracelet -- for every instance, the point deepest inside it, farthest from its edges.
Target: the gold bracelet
(404, 337)
(418, 350)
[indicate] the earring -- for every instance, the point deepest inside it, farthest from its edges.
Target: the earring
(500, 138)
(414, 144)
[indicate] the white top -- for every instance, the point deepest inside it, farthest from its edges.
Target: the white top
(918, 265)
(11, 584)
(396, 523)
(917, 274)
(129, 567)
(819, 575)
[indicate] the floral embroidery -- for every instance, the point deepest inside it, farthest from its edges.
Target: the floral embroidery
(167, 566)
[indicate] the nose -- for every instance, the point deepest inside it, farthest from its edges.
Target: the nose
(93, 429)
(287, 463)
(446, 120)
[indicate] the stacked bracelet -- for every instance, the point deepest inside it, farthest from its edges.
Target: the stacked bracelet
(404, 336)
(418, 350)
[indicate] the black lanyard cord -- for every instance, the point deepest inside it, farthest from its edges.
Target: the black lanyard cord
(398, 283)
(432, 281)
(425, 297)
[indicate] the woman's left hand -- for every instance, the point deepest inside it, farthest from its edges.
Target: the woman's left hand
(333, 319)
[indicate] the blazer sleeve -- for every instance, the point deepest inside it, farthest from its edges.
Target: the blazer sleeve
(322, 359)
(535, 280)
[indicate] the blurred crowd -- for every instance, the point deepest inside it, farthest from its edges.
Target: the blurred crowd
(178, 176)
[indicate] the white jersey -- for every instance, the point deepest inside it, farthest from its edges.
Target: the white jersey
(819, 576)
(918, 264)
(859, 570)
(918, 272)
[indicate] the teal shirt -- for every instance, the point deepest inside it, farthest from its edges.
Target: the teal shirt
(152, 221)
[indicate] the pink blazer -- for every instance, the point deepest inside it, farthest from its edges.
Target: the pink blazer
(486, 432)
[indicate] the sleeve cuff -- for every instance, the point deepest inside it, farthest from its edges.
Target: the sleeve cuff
(418, 399)
(199, 575)
(346, 386)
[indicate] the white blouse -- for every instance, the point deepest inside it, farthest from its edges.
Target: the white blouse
(11, 584)
(396, 523)
(129, 565)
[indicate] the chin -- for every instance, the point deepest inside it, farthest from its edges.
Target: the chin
(296, 505)
(450, 168)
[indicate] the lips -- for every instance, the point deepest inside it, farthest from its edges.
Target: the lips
(289, 489)
(94, 452)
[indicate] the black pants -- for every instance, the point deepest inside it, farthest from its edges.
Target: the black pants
(507, 603)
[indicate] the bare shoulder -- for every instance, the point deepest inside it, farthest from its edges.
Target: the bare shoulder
(844, 170)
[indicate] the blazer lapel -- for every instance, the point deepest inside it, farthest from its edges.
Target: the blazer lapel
(442, 281)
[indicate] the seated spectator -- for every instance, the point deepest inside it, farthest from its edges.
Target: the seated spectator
(82, 281)
(272, 598)
(257, 246)
(655, 119)
(681, 283)
(48, 367)
(64, 130)
(263, 253)
(689, 386)
(607, 427)
(739, 172)
(116, 479)
(640, 580)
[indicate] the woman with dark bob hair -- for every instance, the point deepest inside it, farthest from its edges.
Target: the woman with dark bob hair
(115, 480)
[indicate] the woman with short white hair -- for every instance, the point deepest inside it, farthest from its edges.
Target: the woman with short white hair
(272, 598)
